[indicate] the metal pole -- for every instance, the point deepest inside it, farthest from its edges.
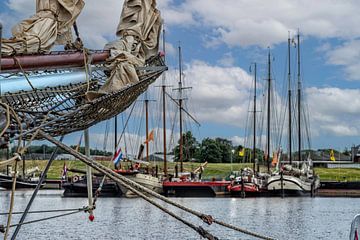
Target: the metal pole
(41, 180)
(88, 171)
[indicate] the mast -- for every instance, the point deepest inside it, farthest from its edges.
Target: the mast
(115, 130)
(254, 143)
(147, 126)
(289, 100)
(268, 113)
(299, 96)
(180, 112)
(164, 109)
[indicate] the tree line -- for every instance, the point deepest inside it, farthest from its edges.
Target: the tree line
(217, 150)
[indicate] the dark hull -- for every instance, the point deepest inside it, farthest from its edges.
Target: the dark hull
(340, 185)
(79, 189)
(6, 182)
(195, 189)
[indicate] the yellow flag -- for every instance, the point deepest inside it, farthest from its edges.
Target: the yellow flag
(242, 152)
(332, 155)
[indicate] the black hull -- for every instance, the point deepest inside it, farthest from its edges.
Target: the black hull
(287, 193)
(248, 194)
(79, 189)
(6, 182)
(340, 185)
(180, 191)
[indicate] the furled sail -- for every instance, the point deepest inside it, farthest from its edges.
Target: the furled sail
(50, 25)
(138, 32)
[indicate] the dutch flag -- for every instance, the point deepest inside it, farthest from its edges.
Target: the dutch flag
(118, 156)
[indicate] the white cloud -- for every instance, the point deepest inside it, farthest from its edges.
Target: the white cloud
(264, 23)
(227, 60)
(219, 94)
(347, 56)
(334, 111)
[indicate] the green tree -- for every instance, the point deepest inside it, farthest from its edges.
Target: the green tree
(190, 148)
(210, 151)
(225, 149)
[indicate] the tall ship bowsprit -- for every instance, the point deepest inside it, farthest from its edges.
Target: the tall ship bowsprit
(47, 94)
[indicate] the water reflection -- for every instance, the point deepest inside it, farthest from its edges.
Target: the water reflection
(121, 218)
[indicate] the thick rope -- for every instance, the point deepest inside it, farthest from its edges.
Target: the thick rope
(131, 184)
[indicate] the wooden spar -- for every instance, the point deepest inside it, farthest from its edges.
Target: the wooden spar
(164, 105)
(88, 170)
(289, 101)
(147, 127)
(299, 97)
(58, 60)
(254, 143)
(180, 113)
(268, 113)
(0, 45)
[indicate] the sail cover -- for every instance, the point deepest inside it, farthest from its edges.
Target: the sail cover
(138, 40)
(50, 25)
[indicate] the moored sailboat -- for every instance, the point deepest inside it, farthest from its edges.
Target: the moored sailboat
(294, 178)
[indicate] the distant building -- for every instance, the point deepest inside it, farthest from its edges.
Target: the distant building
(355, 154)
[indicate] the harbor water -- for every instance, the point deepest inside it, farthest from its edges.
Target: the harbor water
(134, 218)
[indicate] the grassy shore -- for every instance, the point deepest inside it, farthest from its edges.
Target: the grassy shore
(213, 170)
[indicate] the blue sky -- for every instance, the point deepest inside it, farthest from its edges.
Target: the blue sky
(220, 38)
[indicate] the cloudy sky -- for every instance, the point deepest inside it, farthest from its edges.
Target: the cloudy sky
(221, 38)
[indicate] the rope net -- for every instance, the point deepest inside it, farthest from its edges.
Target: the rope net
(67, 109)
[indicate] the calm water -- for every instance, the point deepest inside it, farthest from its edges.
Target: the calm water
(122, 218)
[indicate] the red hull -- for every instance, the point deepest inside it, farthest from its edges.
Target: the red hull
(51, 60)
(195, 189)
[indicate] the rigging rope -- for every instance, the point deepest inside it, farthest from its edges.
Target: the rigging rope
(137, 187)
(85, 209)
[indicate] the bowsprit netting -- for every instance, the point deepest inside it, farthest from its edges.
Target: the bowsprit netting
(64, 109)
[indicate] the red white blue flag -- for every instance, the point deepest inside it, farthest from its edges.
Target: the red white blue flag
(118, 156)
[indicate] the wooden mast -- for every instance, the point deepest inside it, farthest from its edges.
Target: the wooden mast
(164, 109)
(268, 113)
(180, 113)
(254, 140)
(147, 126)
(289, 99)
(299, 95)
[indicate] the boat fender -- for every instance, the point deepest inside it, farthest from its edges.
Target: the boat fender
(75, 178)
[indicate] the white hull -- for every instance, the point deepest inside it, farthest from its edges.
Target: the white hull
(290, 183)
(146, 180)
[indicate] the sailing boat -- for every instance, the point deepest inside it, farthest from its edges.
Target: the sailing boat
(293, 179)
(248, 184)
(184, 184)
(138, 174)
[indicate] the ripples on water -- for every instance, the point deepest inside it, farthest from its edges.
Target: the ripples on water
(122, 218)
